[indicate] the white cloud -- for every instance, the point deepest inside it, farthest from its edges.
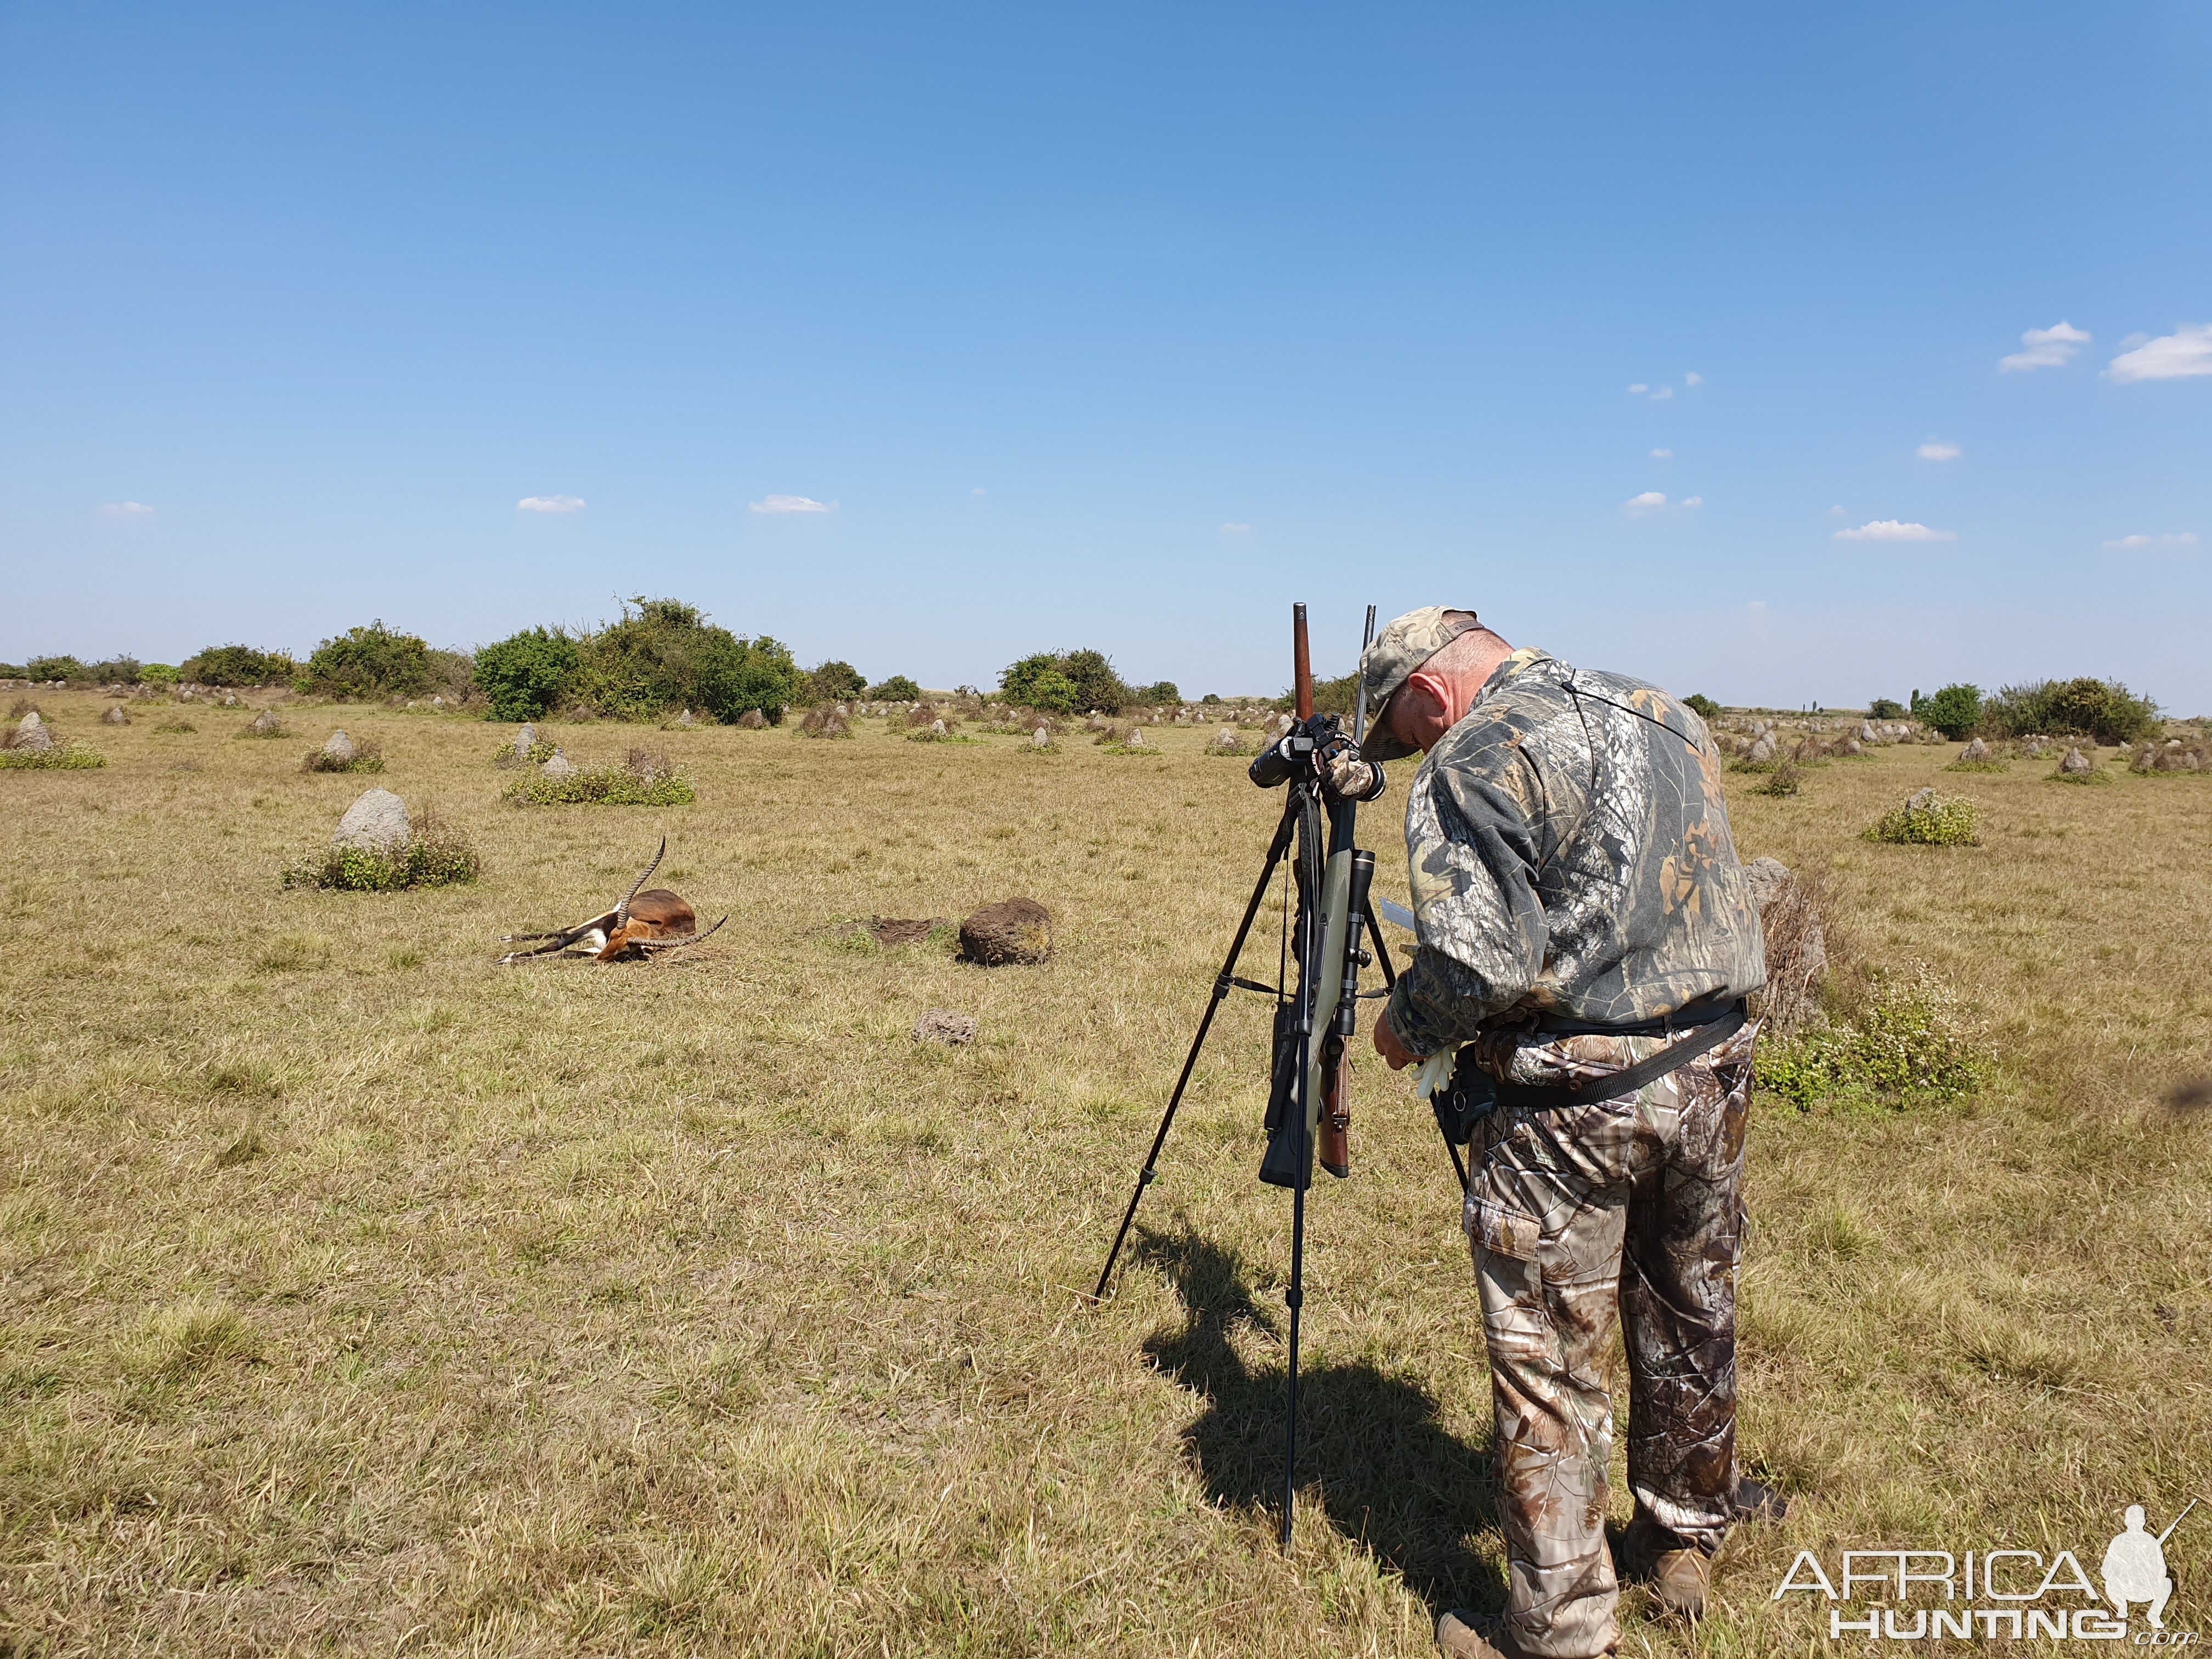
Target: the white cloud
(1662, 394)
(1693, 501)
(1836, 510)
(1638, 388)
(2187, 351)
(2138, 544)
(1662, 455)
(1694, 379)
(549, 504)
(1650, 502)
(1889, 529)
(1939, 449)
(791, 504)
(1234, 529)
(2047, 347)
(126, 510)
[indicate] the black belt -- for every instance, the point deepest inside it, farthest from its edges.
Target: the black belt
(1474, 1094)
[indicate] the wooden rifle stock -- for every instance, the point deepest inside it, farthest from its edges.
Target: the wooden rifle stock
(1301, 664)
(1333, 1141)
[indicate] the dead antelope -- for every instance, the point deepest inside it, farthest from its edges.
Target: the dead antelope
(642, 925)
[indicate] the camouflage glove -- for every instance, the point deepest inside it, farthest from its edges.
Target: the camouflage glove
(1350, 778)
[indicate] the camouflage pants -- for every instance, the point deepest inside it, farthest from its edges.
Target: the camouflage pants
(1631, 1206)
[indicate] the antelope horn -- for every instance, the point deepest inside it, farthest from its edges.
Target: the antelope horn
(650, 944)
(622, 911)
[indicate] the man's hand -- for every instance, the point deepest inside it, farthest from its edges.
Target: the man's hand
(1387, 1044)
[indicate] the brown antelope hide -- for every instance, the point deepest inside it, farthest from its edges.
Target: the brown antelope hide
(644, 925)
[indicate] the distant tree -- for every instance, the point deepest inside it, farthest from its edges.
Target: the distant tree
(1954, 711)
(2103, 709)
(55, 668)
(1211, 698)
(372, 661)
(897, 688)
(122, 669)
(1706, 708)
(527, 674)
(237, 665)
(1159, 691)
(1091, 674)
(159, 673)
(665, 655)
(1887, 708)
(835, 681)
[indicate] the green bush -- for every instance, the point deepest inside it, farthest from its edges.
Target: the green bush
(899, 688)
(1928, 820)
(159, 673)
(1707, 708)
(62, 757)
(1159, 692)
(833, 682)
(1886, 708)
(122, 670)
(527, 675)
(367, 662)
(55, 668)
(1907, 1048)
(665, 655)
(603, 785)
(2103, 709)
(434, 855)
(367, 757)
(235, 664)
(1786, 781)
(1954, 711)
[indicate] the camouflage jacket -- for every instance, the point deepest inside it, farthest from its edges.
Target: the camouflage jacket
(1570, 853)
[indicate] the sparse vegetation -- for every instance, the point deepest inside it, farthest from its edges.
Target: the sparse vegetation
(1906, 1047)
(436, 855)
(645, 781)
(1928, 820)
(1786, 780)
(824, 721)
(574, 1282)
(1705, 707)
(63, 757)
(1887, 708)
(367, 756)
(55, 668)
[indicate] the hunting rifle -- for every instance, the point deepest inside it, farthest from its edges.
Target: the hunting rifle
(1309, 1095)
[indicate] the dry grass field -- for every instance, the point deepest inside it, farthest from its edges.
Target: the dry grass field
(358, 1296)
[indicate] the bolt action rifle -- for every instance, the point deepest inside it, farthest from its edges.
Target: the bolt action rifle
(1308, 1098)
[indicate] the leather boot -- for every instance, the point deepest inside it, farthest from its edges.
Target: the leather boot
(1457, 1636)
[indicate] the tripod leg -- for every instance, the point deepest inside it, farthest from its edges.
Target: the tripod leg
(1310, 942)
(1221, 986)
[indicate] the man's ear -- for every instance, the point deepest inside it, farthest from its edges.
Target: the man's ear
(1426, 694)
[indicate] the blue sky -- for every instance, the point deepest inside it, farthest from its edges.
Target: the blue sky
(1121, 327)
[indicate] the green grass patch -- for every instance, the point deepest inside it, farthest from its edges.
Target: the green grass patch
(1928, 820)
(603, 785)
(63, 757)
(2095, 774)
(434, 855)
(1906, 1048)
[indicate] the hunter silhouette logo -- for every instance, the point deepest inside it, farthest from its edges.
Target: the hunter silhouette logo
(2012, 1593)
(2135, 1567)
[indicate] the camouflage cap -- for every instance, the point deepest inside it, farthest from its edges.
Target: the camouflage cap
(1398, 650)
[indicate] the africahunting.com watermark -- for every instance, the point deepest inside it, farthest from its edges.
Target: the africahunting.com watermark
(2017, 1595)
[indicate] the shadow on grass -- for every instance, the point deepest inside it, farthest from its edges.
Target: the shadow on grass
(1370, 1446)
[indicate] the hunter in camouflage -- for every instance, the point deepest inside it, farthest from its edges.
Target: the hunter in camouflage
(1573, 875)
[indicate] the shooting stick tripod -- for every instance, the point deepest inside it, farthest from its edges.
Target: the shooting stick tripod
(1313, 1023)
